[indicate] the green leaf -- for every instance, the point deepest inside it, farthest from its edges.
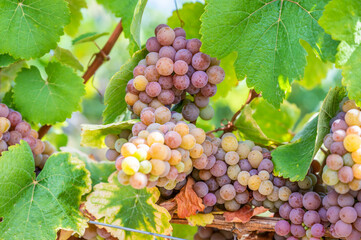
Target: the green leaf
(8, 74)
(230, 81)
(352, 75)
(66, 57)
(75, 7)
(88, 37)
(99, 171)
(190, 14)
(113, 203)
(8, 98)
(57, 139)
(184, 231)
(341, 19)
(131, 12)
(266, 35)
(37, 207)
(315, 70)
(31, 27)
(51, 100)
(264, 124)
(115, 92)
(293, 160)
(93, 135)
(6, 60)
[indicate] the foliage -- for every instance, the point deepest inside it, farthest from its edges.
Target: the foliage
(50, 200)
(137, 210)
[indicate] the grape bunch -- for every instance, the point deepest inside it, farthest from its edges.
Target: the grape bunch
(303, 217)
(13, 129)
(343, 164)
(159, 151)
(208, 233)
(174, 67)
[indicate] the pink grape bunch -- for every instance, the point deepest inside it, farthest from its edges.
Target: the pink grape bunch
(208, 233)
(173, 69)
(343, 164)
(13, 129)
(159, 151)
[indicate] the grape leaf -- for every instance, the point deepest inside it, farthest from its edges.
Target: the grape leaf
(315, 70)
(99, 170)
(39, 206)
(131, 12)
(6, 60)
(341, 19)
(113, 203)
(93, 135)
(200, 219)
(352, 74)
(190, 13)
(115, 92)
(31, 27)
(184, 231)
(266, 35)
(51, 100)
(244, 214)
(293, 160)
(257, 122)
(66, 57)
(75, 7)
(88, 37)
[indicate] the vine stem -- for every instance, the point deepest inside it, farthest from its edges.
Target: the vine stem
(230, 125)
(100, 58)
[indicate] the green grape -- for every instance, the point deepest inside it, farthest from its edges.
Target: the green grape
(153, 178)
(145, 167)
(284, 193)
(265, 188)
(180, 167)
(313, 178)
(305, 183)
(229, 143)
(207, 113)
(119, 143)
(347, 160)
(233, 171)
(141, 154)
(123, 178)
(329, 177)
(243, 178)
(130, 165)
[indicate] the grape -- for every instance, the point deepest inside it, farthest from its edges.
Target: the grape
(181, 82)
(164, 66)
(348, 214)
(318, 230)
(201, 189)
(333, 214)
(145, 167)
(197, 151)
(285, 210)
(329, 176)
(242, 198)
(209, 199)
(165, 36)
(243, 177)
(338, 124)
(355, 185)
(201, 162)
(223, 180)
(166, 82)
(284, 193)
(158, 167)
(231, 206)
(185, 55)
(274, 194)
(266, 187)
(201, 101)
(207, 113)
(3, 146)
(192, 90)
(153, 89)
(255, 157)
(229, 143)
(334, 161)
(347, 105)
(352, 142)
(167, 52)
(354, 130)
(311, 201)
(238, 187)
(297, 230)
(162, 115)
(15, 137)
(219, 169)
(152, 44)
(110, 140)
(296, 215)
(211, 181)
(245, 165)
(352, 117)
(199, 79)
(215, 74)
(22, 127)
(231, 158)
(179, 43)
(138, 70)
(233, 171)
(338, 148)
(180, 67)
(188, 142)
(209, 90)
(199, 134)
(140, 83)
(356, 156)
(131, 98)
(355, 235)
(310, 218)
(327, 140)
(277, 181)
(332, 198)
(343, 229)
(190, 112)
(306, 183)
(166, 97)
(145, 98)
(254, 182)
(158, 151)
(193, 45)
(296, 200)
(258, 196)
(173, 139)
(14, 118)
(138, 180)
(123, 178)
(282, 228)
(338, 135)
(266, 165)
(357, 224)
(345, 174)
(228, 192)
(4, 110)
(211, 160)
(173, 173)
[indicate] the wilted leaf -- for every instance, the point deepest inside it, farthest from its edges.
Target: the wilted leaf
(200, 219)
(244, 214)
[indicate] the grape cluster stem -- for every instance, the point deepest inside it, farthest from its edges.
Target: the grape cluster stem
(100, 58)
(230, 127)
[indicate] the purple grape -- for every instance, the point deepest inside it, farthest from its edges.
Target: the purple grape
(166, 97)
(278, 181)
(348, 214)
(343, 229)
(179, 43)
(211, 160)
(258, 196)
(209, 90)
(4, 110)
(310, 218)
(282, 228)
(152, 45)
(190, 112)
(201, 101)
(253, 172)
(323, 214)
(338, 148)
(267, 165)
(297, 230)
(153, 89)
(318, 230)
(192, 90)
(295, 200)
(166, 82)
(311, 201)
(239, 188)
(296, 215)
(168, 52)
(285, 210)
(199, 79)
(201, 189)
(219, 169)
(212, 184)
(345, 200)
(209, 199)
(242, 198)
(184, 55)
(223, 180)
(339, 124)
(181, 82)
(333, 214)
(245, 165)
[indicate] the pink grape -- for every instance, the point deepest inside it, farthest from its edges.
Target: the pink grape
(192, 90)
(201, 61)
(179, 43)
(296, 215)
(190, 112)
(152, 44)
(201, 101)
(297, 230)
(223, 180)
(181, 82)
(173, 139)
(282, 228)
(179, 32)
(145, 98)
(4, 110)
(167, 52)
(139, 70)
(165, 36)
(166, 82)
(180, 67)
(311, 201)
(184, 55)
(166, 97)
(193, 45)
(199, 79)
(209, 90)
(201, 189)
(318, 230)
(285, 210)
(215, 74)
(343, 229)
(153, 89)
(209, 199)
(151, 73)
(131, 88)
